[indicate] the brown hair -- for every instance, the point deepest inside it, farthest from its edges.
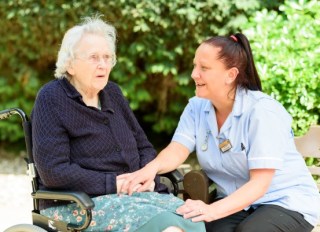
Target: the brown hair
(236, 52)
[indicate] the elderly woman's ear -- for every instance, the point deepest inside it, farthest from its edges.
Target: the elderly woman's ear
(70, 69)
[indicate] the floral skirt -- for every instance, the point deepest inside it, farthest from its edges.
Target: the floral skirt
(127, 213)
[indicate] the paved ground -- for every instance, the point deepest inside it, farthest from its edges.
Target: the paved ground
(15, 200)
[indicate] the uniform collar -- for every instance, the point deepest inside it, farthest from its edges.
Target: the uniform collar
(208, 106)
(239, 105)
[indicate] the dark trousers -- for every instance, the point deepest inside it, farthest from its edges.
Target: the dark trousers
(266, 218)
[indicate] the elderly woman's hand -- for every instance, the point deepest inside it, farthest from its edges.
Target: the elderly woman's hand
(144, 177)
(120, 182)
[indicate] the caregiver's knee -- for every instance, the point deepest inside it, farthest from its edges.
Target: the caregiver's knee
(247, 227)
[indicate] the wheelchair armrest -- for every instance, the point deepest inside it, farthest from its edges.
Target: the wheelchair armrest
(81, 198)
(175, 178)
(198, 186)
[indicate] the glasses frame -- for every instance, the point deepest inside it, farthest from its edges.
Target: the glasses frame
(96, 59)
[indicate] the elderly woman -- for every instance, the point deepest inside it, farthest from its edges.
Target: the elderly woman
(85, 135)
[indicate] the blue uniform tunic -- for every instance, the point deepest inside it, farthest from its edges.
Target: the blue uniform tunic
(259, 131)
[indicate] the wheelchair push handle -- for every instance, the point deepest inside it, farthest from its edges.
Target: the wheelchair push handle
(26, 127)
(8, 112)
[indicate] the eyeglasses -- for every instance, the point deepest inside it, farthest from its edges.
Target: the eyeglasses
(96, 58)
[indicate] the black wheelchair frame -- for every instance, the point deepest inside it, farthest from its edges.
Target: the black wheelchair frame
(41, 223)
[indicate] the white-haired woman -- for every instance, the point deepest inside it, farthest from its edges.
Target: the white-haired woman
(85, 135)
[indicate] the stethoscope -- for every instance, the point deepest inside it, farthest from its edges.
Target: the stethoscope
(204, 146)
(224, 146)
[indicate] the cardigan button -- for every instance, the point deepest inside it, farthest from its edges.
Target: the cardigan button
(106, 121)
(118, 149)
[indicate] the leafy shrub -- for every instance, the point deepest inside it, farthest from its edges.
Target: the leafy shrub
(286, 47)
(156, 44)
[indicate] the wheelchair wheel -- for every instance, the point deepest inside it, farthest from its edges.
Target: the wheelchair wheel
(25, 228)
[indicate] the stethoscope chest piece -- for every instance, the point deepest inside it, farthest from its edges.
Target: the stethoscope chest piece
(204, 147)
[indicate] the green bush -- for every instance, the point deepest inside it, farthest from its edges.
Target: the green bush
(286, 47)
(156, 44)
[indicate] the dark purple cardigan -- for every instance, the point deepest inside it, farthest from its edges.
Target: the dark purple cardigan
(81, 148)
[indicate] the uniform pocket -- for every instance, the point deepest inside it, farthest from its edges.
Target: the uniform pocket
(235, 163)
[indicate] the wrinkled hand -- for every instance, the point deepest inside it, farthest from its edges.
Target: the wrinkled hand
(120, 183)
(197, 210)
(139, 181)
(151, 187)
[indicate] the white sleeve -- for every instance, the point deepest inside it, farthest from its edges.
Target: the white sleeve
(185, 132)
(269, 134)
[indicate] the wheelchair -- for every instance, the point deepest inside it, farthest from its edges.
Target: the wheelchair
(42, 223)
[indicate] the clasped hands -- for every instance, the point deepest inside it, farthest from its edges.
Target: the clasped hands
(138, 181)
(123, 185)
(143, 181)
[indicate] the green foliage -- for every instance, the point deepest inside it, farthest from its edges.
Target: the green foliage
(156, 44)
(286, 48)
(159, 50)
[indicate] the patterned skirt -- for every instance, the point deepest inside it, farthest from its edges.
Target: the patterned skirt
(138, 212)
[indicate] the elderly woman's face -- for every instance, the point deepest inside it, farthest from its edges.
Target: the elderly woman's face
(92, 64)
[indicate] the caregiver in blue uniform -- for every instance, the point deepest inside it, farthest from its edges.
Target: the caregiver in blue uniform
(244, 143)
